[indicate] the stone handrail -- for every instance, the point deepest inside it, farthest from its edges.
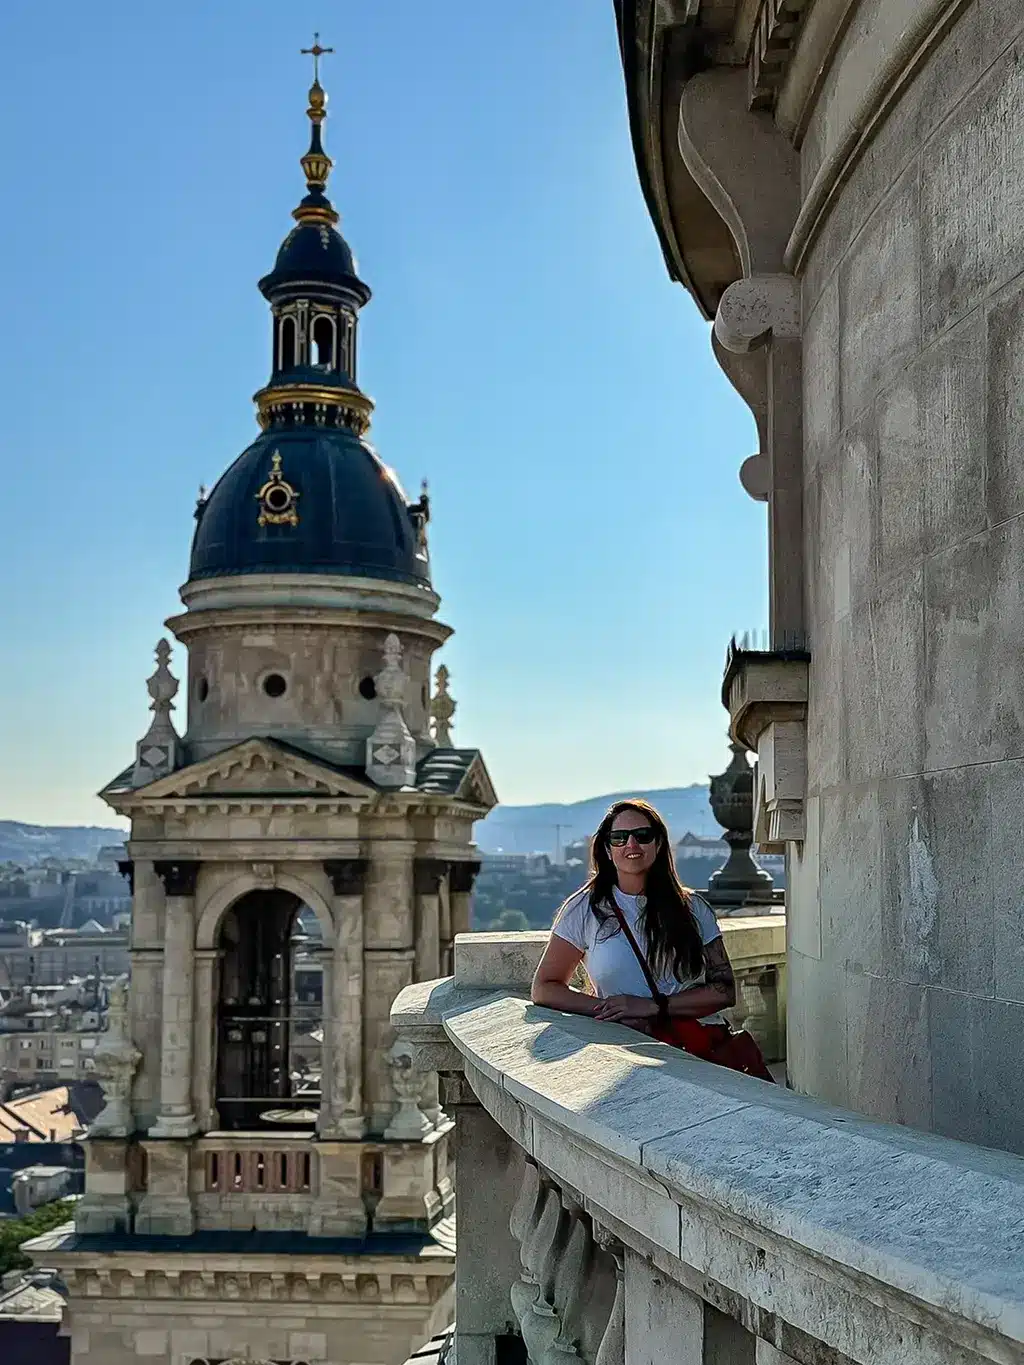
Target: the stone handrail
(661, 1209)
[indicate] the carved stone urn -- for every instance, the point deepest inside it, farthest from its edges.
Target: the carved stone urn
(407, 1081)
(117, 1059)
(739, 885)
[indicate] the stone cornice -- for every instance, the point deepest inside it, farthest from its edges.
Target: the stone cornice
(245, 851)
(227, 619)
(200, 1277)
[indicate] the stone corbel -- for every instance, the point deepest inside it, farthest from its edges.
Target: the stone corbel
(755, 311)
(766, 696)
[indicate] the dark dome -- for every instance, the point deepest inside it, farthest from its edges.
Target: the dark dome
(313, 251)
(352, 518)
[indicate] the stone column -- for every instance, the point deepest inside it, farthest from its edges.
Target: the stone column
(176, 1119)
(204, 1072)
(388, 965)
(428, 874)
(146, 992)
(488, 1179)
(341, 1104)
(461, 877)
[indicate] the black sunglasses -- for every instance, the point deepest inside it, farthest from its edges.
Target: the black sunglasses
(619, 838)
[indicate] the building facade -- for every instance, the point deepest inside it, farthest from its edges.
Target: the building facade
(231, 1210)
(837, 186)
(51, 957)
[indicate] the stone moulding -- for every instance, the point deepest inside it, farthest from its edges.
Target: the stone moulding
(765, 693)
(822, 1232)
(347, 1283)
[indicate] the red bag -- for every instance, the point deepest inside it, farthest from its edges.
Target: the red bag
(716, 1043)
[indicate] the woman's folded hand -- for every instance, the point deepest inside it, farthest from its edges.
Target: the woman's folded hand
(619, 1008)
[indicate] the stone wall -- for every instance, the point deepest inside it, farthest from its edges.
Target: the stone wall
(906, 945)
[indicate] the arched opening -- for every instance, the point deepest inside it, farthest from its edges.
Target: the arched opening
(269, 1008)
(323, 341)
(286, 352)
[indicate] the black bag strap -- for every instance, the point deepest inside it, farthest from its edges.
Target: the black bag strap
(659, 997)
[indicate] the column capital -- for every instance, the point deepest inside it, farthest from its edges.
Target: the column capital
(348, 875)
(463, 875)
(179, 878)
(428, 874)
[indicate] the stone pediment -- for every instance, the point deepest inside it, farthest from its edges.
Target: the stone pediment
(477, 786)
(255, 768)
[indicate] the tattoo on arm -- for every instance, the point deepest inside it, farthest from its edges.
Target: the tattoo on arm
(717, 969)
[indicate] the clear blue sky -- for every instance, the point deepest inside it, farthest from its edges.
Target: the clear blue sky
(525, 347)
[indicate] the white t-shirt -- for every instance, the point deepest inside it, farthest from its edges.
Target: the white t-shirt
(610, 961)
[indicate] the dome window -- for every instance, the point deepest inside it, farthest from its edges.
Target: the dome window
(286, 356)
(274, 685)
(202, 689)
(323, 341)
(367, 689)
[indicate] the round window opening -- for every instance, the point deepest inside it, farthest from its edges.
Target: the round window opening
(274, 685)
(368, 689)
(202, 689)
(278, 498)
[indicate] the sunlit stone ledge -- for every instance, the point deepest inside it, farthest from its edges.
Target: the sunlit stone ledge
(714, 1210)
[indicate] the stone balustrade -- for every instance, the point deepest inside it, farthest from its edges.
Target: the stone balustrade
(622, 1204)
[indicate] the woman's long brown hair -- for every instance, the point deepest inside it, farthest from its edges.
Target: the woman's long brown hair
(674, 945)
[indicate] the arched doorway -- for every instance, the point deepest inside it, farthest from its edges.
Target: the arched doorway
(258, 1014)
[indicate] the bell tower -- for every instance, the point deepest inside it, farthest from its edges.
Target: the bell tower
(269, 1180)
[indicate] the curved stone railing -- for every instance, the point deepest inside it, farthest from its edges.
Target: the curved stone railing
(619, 1202)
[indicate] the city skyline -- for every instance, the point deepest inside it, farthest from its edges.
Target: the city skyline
(590, 540)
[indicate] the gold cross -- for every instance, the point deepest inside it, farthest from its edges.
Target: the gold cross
(316, 52)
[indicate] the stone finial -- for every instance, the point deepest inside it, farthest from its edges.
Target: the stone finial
(159, 751)
(442, 709)
(117, 1059)
(407, 1081)
(391, 749)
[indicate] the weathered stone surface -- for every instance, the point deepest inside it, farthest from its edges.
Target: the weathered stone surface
(970, 238)
(490, 960)
(816, 1028)
(850, 891)
(889, 1049)
(822, 411)
(879, 304)
(975, 695)
(977, 1097)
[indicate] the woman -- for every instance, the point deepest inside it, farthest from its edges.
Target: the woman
(634, 877)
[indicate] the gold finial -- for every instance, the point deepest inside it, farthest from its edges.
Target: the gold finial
(316, 52)
(316, 163)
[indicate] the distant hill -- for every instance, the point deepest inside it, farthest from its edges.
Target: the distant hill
(532, 829)
(28, 844)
